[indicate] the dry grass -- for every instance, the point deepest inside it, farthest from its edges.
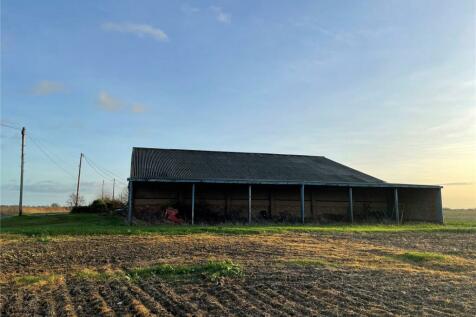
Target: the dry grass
(31, 210)
(460, 215)
(311, 262)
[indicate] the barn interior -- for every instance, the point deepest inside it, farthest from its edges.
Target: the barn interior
(274, 203)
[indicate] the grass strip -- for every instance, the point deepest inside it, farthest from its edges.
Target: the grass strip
(102, 224)
(420, 257)
(89, 274)
(43, 279)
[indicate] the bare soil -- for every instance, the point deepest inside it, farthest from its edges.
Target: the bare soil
(287, 274)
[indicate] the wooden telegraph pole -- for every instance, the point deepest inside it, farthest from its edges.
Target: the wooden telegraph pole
(113, 186)
(102, 190)
(20, 204)
(79, 178)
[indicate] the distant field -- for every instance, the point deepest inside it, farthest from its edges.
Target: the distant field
(31, 210)
(460, 215)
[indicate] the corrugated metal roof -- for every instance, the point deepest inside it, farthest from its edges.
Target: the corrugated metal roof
(171, 164)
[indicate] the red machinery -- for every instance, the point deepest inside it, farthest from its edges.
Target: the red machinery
(171, 214)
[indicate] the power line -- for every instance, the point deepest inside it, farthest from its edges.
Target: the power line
(104, 171)
(49, 156)
(6, 125)
(57, 160)
(96, 170)
(57, 157)
(100, 173)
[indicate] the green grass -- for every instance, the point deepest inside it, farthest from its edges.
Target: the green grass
(212, 270)
(35, 279)
(93, 224)
(89, 274)
(43, 238)
(420, 257)
(28, 280)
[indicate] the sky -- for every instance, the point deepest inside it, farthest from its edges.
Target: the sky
(386, 87)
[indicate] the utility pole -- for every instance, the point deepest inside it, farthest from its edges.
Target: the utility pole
(20, 205)
(113, 186)
(79, 178)
(102, 190)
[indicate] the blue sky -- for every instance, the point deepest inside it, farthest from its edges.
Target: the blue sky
(387, 87)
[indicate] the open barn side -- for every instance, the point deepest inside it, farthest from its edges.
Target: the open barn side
(260, 203)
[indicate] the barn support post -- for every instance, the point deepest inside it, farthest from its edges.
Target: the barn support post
(129, 203)
(227, 203)
(439, 206)
(249, 204)
(351, 206)
(302, 203)
(270, 203)
(193, 204)
(312, 203)
(395, 206)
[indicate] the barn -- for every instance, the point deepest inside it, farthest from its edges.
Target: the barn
(216, 187)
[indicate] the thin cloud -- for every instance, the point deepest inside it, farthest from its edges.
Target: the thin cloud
(45, 187)
(137, 108)
(108, 103)
(46, 87)
(346, 37)
(458, 184)
(140, 30)
(188, 9)
(112, 104)
(221, 16)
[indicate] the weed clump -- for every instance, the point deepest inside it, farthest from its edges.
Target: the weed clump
(89, 274)
(28, 280)
(212, 270)
(420, 257)
(43, 238)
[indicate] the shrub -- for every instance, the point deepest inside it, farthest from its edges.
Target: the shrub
(82, 210)
(113, 204)
(99, 206)
(212, 270)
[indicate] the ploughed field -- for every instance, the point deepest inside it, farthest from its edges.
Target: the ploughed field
(292, 273)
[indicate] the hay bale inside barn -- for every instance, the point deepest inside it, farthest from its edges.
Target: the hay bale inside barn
(216, 187)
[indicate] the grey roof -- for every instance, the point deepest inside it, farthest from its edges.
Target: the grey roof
(211, 166)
